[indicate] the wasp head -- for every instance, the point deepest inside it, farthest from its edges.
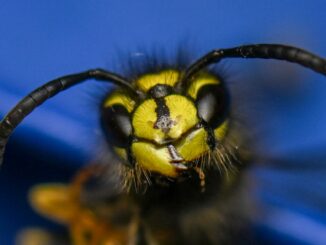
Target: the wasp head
(173, 127)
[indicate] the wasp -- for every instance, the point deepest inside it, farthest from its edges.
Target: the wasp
(175, 176)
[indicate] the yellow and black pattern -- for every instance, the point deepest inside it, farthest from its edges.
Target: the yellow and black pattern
(173, 128)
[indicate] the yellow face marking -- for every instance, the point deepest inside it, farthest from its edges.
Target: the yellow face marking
(119, 97)
(193, 145)
(190, 144)
(202, 80)
(221, 131)
(143, 122)
(53, 201)
(153, 159)
(183, 112)
(147, 81)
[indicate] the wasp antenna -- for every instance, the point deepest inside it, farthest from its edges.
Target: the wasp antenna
(263, 51)
(48, 90)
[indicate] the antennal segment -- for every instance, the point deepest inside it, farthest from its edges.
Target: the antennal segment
(48, 90)
(263, 51)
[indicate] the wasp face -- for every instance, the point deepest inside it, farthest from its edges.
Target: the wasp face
(172, 127)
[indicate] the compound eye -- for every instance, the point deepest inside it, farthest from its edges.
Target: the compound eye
(116, 123)
(212, 104)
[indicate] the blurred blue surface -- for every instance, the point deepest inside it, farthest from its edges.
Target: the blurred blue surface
(41, 40)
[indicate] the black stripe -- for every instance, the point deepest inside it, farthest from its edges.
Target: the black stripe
(163, 121)
(160, 90)
(130, 156)
(210, 140)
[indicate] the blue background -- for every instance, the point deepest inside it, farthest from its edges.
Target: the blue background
(282, 104)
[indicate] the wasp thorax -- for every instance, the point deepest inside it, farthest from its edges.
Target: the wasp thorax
(167, 130)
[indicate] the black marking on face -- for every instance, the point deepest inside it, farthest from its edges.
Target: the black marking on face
(130, 157)
(211, 141)
(160, 90)
(164, 122)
